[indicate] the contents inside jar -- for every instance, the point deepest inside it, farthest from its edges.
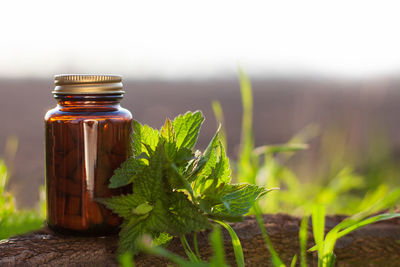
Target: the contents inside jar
(82, 155)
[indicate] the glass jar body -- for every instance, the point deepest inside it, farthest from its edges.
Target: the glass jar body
(86, 139)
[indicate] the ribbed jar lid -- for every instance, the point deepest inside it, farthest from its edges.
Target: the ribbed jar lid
(87, 84)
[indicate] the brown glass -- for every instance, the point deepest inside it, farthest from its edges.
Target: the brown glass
(87, 138)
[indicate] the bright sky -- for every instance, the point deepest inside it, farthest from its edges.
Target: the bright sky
(208, 38)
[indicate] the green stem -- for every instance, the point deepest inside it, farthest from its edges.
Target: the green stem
(189, 252)
(196, 246)
(237, 246)
(276, 261)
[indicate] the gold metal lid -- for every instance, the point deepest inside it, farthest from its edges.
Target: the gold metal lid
(87, 84)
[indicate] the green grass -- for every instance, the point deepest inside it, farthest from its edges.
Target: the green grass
(217, 260)
(14, 221)
(303, 241)
(325, 244)
(335, 185)
(339, 179)
(237, 246)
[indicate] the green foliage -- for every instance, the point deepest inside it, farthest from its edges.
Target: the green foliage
(175, 189)
(318, 222)
(333, 182)
(122, 205)
(20, 222)
(12, 220)
(325, 244)
(219, 116)
(248, 162)
(187, 128)
(237, 246)
(126, 173)
(6, 199)
(126, 260)
(338, 192)
(193, 257)
(217, 245)
(238, 202)
(217, 260)
(144, 137)
(303, 241)
(294, 261)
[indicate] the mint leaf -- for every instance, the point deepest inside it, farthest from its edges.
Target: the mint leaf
(174, 178)
(214, 167)
(177, 181)
(129, 236)
(149, 183)
(154, 222)
(158, 220)
(161, 239)
(220, 174)
(239, 202)
(213, 196)
(187, 129)
(143, 138)
(185, 216)
(174, 189)
(126, 172)
(123, 204)
(204, 164)
(194, 166)
(167, 131)
(183, 156)
(142, 209)
(178, 155)
(224, 173)
(168, 135)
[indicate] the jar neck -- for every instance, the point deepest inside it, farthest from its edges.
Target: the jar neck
(100, 101)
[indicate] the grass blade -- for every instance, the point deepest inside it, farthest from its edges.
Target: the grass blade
(281, 148)
(276, 261)
(220, 118)
(126, 260)
(247, 169)
(196, 246)
(294, 261)
(160, 251)
(237, 246)
(381, 204)
(303, 241)
(377, 218)
(189, 252)
(218, 259)
(318, 224)
(247, 102)
(334, 235)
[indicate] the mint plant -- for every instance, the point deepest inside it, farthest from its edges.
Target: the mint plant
(176, 189)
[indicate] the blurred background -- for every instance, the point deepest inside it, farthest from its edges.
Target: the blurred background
(327, 71)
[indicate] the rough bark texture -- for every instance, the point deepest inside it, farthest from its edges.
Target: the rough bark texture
(374, 245)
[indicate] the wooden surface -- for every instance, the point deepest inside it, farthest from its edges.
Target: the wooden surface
(374, 245)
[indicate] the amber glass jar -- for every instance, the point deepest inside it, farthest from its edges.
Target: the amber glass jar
(87, 138)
